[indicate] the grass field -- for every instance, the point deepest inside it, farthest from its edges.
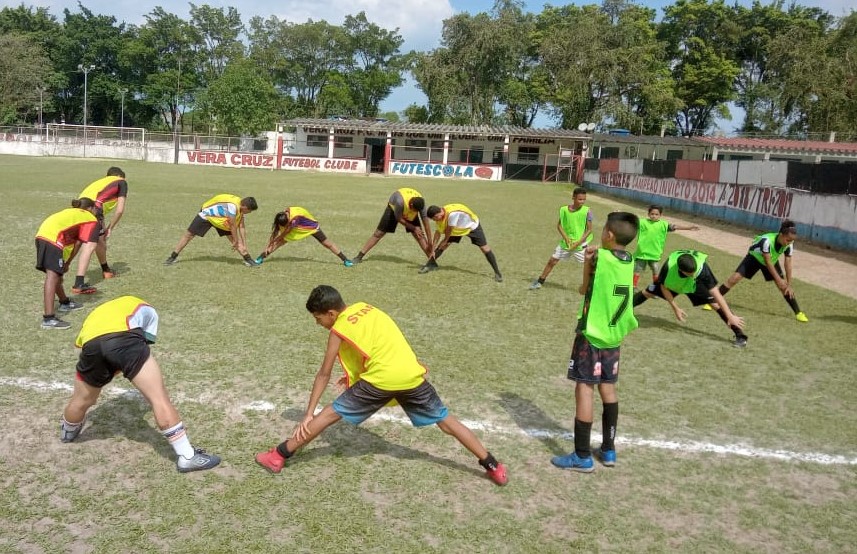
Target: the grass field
(239, 353)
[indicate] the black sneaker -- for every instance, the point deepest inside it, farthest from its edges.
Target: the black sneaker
(55, 323)
(498, 277)
(428, 267)
(170, 261)
(69, 306)
(740, 342)
(200, 461)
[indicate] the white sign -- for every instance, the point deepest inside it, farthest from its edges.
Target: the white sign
(226, 159)
(456, 171)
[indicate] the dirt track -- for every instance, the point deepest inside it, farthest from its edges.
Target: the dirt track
(833, 270)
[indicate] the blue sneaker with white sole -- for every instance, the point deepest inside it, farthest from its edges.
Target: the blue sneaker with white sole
(200, 461)
(606, 457)
(574, 462)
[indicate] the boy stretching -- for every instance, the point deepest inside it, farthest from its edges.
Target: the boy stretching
(651, 242)
(575, 228)
(380, 367)
(604, 318)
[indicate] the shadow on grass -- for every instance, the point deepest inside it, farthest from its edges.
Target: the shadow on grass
(351, 441)
(674, 326)
(275, 259)
(394, 259)
(231, 260)
(551, 285)
(841, 318)
(533, 421)
(119, 268)
(125, 415)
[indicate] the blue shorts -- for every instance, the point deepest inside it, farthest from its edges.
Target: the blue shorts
(592, 365)
(361, 400)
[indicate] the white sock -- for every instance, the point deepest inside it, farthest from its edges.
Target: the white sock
(177, 436)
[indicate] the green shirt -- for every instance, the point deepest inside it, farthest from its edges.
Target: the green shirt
(573, 223)
(676, 281)
(651, 239)
(758, 247)
(606, 314)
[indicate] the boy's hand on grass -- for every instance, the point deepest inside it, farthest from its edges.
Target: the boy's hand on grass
(680, 314)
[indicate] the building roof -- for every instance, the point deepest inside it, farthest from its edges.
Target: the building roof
(782, 145)
(646, 139)
(488, 130)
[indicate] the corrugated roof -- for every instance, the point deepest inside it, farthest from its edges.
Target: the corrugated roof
(782, 145)
(646, 139)
(439, 128)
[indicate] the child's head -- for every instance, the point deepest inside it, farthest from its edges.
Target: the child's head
(621, 228)
(248, 205)
(578, 197)
(686, 265)
(84, 204)
(325, 304)
(115, 172)
(655, 212)
(788, 229)
(435, 213)
(281, 219)
(417, 203)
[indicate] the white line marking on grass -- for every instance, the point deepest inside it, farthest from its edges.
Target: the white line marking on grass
(488, 427)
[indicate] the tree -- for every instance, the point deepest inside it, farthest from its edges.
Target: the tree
(243, 100)
(160, 61)
(375, 66)
(701, 42)
(215, 32)
(24, 71)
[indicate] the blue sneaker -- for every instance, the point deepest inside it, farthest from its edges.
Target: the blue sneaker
(260, 259)
(606, 457)
(575, 462)
(348, 263)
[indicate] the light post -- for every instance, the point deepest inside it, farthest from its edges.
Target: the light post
(85, 69)
(122, 91)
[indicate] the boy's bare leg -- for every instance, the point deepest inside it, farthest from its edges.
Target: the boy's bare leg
(452, 426)
(319, 423)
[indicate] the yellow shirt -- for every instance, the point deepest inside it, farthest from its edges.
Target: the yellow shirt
(460, 218)
(117, 315)
(64, 228)
(105, 191)
(374, 349)
(408, 194)
(219, 209)
(302, 223)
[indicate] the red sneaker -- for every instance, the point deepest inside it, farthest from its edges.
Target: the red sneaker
(272, 460)
(498, 474)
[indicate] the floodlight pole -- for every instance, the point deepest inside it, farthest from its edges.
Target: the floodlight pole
(85, 70)
(122, 91)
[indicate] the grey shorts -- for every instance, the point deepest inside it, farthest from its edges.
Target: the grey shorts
(361, 400)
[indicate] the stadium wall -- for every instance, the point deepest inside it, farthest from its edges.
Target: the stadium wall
(752, 202)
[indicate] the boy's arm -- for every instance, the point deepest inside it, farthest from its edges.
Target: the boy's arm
(117, 215)
(586, 233)
(322, 378)
(787, 266)
(446, 234)
(677, 227)
(668, 296)
(589, 259)
(731, 319)
(782, 284)
(571, 244)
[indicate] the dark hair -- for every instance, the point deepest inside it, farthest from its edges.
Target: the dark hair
(250, 202)
(417, 203)
(788, 226)
(686, 264)
(655, 207)
(624, 226)
(82, 203)
(281, 219)
(578, 190)
(433, 211)
(115, 172)
(324, 298)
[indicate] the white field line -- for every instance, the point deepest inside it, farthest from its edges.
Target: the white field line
(488, 427)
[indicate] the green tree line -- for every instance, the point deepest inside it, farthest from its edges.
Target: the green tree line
(792, 69)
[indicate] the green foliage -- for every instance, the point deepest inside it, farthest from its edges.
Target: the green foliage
(243, 101)
(24, 71)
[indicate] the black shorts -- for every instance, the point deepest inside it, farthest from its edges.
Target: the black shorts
(104, 356)
(49, 257)
(200, 226)
(697, 298)
(422, 404)
(749, 266)
(476, 236)
(389, 222)
(319, 235)
(592, 365)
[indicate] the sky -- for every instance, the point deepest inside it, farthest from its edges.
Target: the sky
(419, 22)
